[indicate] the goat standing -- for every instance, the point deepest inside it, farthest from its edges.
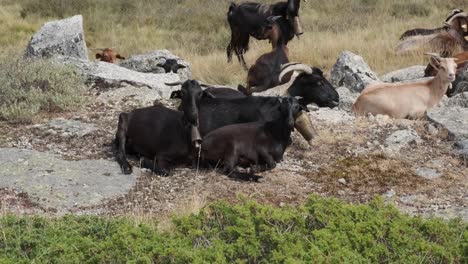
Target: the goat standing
(250, 19)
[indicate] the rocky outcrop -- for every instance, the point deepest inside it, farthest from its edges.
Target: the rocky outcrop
(62, 37)
(406, 74)
(455, 120)
(103, 77)
(351, 71)
(151, 63)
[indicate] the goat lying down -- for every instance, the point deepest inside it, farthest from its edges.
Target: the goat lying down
(260, 144)
(407, 100)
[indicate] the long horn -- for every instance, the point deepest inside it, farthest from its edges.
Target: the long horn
(433, 55)
(450, 21)
(173, 84)
(300, 67)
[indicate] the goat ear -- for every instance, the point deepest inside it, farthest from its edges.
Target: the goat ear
(176, 94)
(304, 108)
(210, 95)
(180, 66)
(98, 55)
(318, 71)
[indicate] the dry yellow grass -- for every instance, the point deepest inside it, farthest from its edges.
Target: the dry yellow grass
(198, 31)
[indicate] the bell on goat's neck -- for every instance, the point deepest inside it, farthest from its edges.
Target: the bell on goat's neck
(297, 26)
(195, 136)
(305, 128)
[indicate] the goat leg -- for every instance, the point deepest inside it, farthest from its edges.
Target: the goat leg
(120, 141)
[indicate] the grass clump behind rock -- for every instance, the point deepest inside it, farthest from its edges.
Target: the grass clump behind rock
(28, 87)
(321, 231)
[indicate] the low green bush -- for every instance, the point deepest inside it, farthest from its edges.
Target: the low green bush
(28, 87)
(321, 231)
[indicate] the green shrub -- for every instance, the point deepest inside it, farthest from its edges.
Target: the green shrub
(32, 86)
(321, 231)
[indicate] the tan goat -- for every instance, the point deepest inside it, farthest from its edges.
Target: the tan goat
(408, 100)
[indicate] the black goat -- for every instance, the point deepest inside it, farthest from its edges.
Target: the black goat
(250, 19)
(259, 144)
(160, 134)
(310, 85)
(264, 74)
(171, 65)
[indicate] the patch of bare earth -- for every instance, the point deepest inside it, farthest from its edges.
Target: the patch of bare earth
(348, 160)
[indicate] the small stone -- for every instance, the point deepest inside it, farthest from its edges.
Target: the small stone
(342, 181)
(390, 193)
(428, 173)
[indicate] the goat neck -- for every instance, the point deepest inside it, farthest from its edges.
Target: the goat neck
(437, 89)
(280, 129)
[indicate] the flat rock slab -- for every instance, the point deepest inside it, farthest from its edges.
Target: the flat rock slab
(105, 76)
(59, 184)
(67, 128)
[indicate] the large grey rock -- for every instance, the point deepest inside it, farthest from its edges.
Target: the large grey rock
(455, 120)
(105, 76)
(406, 74)
(59, 184)
(352, 71)
(148, 63)
(62, 37)
(460, 100)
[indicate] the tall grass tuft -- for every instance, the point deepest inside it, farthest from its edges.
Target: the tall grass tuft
(29, 87)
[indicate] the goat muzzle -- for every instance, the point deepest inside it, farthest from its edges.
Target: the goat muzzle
(305, 127)
(195, 136)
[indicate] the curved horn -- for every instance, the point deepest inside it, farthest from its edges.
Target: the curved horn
(433, 55)
(450, 20)
(300, 67)
(174, 83)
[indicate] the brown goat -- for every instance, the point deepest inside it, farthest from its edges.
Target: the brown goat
(447, 40)
(108, 55)
(264, 74)
(407, 100)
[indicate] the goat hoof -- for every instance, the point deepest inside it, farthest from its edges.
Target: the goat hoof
(126, 169)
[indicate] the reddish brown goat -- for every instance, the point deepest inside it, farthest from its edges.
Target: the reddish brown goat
(108, 55)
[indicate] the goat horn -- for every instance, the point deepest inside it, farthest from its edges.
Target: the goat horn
(173, 84)
(433, 55)
(450, 21)
(300, 67)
